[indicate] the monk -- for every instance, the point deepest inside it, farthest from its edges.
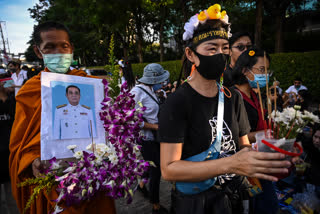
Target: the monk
(50, 38)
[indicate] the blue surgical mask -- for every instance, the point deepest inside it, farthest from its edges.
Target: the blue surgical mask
(297, 87)
(57, 63)
(156, 87)
(260, 78)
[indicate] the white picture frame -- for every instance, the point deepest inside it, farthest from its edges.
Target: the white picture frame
(63, 122)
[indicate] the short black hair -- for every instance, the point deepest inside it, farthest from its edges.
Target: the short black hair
(26, 68)
(246, 61)
(303, 93)
(315, 128)
(238, 35)
(72, 86)
(298, 78)
(47, 26)
(14, 63)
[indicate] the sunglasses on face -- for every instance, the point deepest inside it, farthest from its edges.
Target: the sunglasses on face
(242, 47)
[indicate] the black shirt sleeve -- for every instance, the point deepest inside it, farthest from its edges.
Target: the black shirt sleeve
(241, 114)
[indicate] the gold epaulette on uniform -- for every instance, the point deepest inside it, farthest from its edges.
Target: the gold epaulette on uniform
(60, 106)
(87, 107)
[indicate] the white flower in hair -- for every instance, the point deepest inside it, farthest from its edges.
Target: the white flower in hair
(225, 19)
(189, 27)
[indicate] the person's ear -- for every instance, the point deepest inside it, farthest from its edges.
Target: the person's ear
(190, 55)
(245, 71)
(37, 52)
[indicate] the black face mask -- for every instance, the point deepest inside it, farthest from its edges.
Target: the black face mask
(211, 67)
(12, 70)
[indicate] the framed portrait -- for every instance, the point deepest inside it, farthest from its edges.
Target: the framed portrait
(69, 114)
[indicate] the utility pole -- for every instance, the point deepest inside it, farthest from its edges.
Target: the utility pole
(8, 45)
(5, 56)
(2, 37)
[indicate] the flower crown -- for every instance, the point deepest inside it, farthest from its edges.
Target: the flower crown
(213, 12)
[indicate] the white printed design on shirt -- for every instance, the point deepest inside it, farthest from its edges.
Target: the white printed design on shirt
(228, 146)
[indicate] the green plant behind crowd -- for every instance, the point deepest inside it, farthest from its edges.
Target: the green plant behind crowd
(114, 80)
(286, 67)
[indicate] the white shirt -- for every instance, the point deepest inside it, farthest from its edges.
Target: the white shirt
(73, 122)
(279, 89)
(294, 90)
(152, 108)
(19, 79)
(123, 80)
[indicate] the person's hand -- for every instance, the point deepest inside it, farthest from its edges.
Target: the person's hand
(36, 166)
(254, 146)
(296, 159)
(259, 164)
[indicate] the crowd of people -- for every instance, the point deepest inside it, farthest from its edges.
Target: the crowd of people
(199, 131)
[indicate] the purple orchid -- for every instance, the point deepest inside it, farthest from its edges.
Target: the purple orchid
(116, 174)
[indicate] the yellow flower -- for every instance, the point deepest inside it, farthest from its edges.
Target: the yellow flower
(202, 16)
(216, 7)
(252, 53)
(214, 11)
(223, 13)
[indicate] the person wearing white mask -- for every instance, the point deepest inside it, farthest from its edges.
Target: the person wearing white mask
(53, 45)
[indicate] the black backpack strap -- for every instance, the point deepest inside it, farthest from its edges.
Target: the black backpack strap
(152, 97)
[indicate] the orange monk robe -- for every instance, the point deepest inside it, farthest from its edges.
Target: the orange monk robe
(25, 148)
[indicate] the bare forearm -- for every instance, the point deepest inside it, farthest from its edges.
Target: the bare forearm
(252, 137)
(244, 142)
(150, 126)
(245, 162)
(182, 170)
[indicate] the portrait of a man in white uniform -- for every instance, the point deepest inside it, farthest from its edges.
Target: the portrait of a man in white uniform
(73, 120)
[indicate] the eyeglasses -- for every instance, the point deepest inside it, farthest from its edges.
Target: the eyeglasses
(242, 47)
(262, 71)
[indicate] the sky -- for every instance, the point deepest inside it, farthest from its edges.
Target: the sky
(18, 25)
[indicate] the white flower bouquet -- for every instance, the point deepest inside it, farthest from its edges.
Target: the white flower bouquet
(281, 137)
(290, 122)
(285, 126)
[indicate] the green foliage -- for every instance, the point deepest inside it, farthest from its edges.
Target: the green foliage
(41, 183)
(114, 81)
(172, 66)
(139, 24)
(287, 66)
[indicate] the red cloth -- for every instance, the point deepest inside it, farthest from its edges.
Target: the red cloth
(25, 148)
(255, 104)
